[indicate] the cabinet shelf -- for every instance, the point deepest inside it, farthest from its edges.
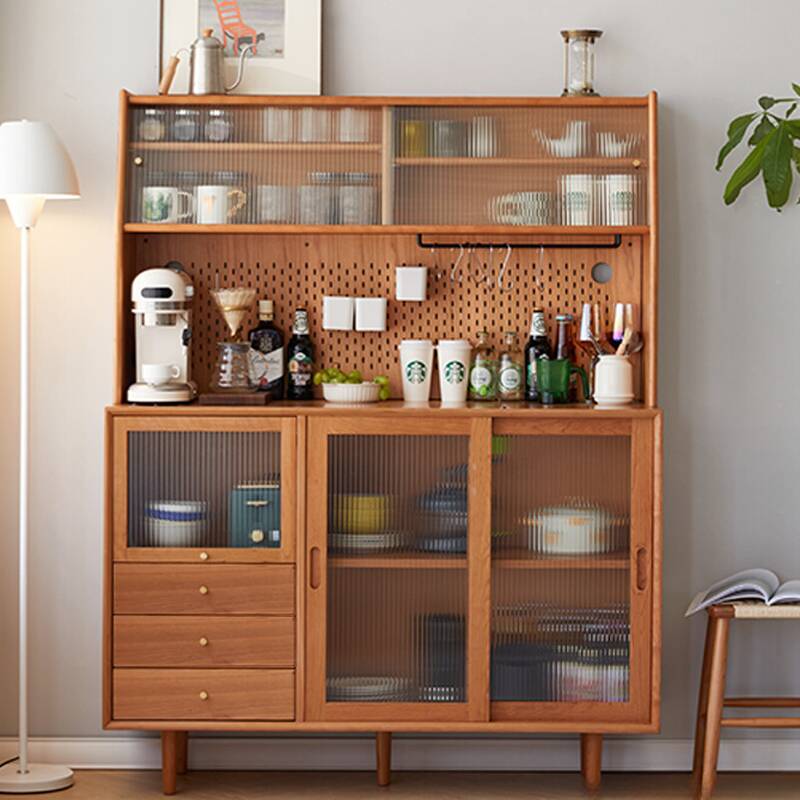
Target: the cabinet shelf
(524, 559)
(465, 161)
(397, 561)
(260, 147)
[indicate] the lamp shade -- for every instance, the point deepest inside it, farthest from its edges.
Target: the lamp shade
(34, 162)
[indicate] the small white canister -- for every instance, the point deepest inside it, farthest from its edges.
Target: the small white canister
(613, 381)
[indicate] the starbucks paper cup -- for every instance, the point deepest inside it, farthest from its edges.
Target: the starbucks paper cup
(454, 357)
(416, 364)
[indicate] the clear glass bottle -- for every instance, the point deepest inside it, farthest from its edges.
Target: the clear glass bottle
(482, 371)
(266, 353)
(510, 381)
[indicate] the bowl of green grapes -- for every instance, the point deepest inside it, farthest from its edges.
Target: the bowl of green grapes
(350, 387)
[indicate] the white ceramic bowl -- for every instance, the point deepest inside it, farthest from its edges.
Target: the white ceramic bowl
(350, 392)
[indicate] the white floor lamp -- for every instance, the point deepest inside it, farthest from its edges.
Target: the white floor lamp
(34, 167)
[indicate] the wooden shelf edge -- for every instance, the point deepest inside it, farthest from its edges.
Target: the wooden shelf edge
(232, 147)
(378, 230)
(544, 161)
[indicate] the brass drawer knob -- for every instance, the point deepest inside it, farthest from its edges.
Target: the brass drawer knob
(637, 163)
(204, 695)
(138, 161)
(257, 535)
(203, 641)
(204, 556)
(204, 590)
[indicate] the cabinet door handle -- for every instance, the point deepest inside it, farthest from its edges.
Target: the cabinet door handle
(641, 569)
(203, 641)
(203, 695)
(203, 590)
(256, 503)
(314, 568)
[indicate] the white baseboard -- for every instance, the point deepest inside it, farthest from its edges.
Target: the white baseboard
(408, 753)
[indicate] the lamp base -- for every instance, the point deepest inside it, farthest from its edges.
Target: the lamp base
(38, 778)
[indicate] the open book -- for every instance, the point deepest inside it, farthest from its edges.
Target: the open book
(752, 584)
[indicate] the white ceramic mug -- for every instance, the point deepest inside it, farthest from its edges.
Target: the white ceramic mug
(316, 205)
(416, 362)
(483, 137)
(315, 124)
(217, 205)
(159, 374)
(613, 381)
(411, 283)
(619, 199)
(577, 192)
(454, 356)
(160, 204)
(357, 205)
(353, 124)
(278, 125)
(275, 204)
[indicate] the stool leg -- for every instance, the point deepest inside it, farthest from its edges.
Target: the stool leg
(182, 752)
(168, 761)
(716, 696)
(383, 757)
(702, 705)
(591, 759)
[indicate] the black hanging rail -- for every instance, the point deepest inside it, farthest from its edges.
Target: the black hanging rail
(617, 243)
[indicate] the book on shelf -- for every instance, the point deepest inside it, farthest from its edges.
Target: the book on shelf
(751, 584)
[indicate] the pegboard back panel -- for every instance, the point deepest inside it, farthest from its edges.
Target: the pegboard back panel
(463, 296)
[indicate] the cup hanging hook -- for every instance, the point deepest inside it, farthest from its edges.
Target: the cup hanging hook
(456, 264)
(502, 271)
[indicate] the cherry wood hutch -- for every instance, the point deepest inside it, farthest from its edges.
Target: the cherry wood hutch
(447, 615)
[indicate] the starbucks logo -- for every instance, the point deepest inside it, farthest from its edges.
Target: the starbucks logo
(416, 372)
(454, 372)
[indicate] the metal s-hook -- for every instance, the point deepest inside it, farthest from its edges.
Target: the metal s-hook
(456, 264)
(438, 268)
(502, 271)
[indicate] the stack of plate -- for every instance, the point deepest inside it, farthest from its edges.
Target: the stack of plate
(367, 542)
(368, 688)
(176, 523)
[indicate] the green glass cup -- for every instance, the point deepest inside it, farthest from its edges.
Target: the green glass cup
(552, 378)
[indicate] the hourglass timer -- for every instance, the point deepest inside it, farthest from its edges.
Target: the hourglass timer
(579, 62)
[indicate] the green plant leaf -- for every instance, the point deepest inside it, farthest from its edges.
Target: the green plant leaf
(736, 132)
(796, 87)
(789, 111)
(762, 129)
(766, 102)
(777, 165)
(747, 171)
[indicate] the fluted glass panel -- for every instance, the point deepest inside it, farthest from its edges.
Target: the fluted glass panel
(561, 569)
(271, 165)
(555, 165)
(397, 577)
(204, 489)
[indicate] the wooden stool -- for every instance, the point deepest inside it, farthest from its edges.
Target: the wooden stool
(711, 697)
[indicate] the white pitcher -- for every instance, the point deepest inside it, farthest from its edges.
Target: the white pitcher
(613, 381)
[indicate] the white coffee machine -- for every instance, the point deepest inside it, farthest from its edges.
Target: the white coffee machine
(161, 306)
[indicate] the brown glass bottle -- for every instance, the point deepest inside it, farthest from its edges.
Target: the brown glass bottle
(565, 348)
(538, 346)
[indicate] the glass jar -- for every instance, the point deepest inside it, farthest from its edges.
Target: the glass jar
(152, 125)
(232, 373)
(186, 125)
(219, 125)
(579, 61)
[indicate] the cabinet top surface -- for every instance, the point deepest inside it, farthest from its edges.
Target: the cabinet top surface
(383, 100)
(390, 408)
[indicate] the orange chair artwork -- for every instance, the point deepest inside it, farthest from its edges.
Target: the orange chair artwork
(234, 27)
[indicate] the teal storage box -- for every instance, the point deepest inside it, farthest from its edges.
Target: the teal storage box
(254, 515)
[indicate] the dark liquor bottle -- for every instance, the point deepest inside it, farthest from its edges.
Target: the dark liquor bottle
(565, 348)
(300, 360)
(266, 353)
(538, 346)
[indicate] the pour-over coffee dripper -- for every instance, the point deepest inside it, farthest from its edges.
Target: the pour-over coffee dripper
(233, 357)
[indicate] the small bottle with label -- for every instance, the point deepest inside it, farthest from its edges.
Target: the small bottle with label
(538, 346)
(510, 381)
(300, 360)
(266, 353)
(482, 375)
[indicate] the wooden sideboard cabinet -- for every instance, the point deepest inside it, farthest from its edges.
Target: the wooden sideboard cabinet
(307, 567)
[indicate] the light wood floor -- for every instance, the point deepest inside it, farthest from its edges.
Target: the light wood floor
(107, 785)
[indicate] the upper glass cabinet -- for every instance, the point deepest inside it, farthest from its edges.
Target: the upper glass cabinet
(362, 163)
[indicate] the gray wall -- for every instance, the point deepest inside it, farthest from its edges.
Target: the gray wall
(729, 291)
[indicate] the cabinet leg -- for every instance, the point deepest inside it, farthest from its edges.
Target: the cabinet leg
(182, 752)
(591, 759)
(716, 696)
(169, 742)
(383, 757)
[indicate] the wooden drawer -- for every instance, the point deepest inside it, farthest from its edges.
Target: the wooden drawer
(203, 589)
(151, 641)
(205, 694)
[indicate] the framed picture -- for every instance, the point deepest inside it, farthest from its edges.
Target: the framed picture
(286, 35)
